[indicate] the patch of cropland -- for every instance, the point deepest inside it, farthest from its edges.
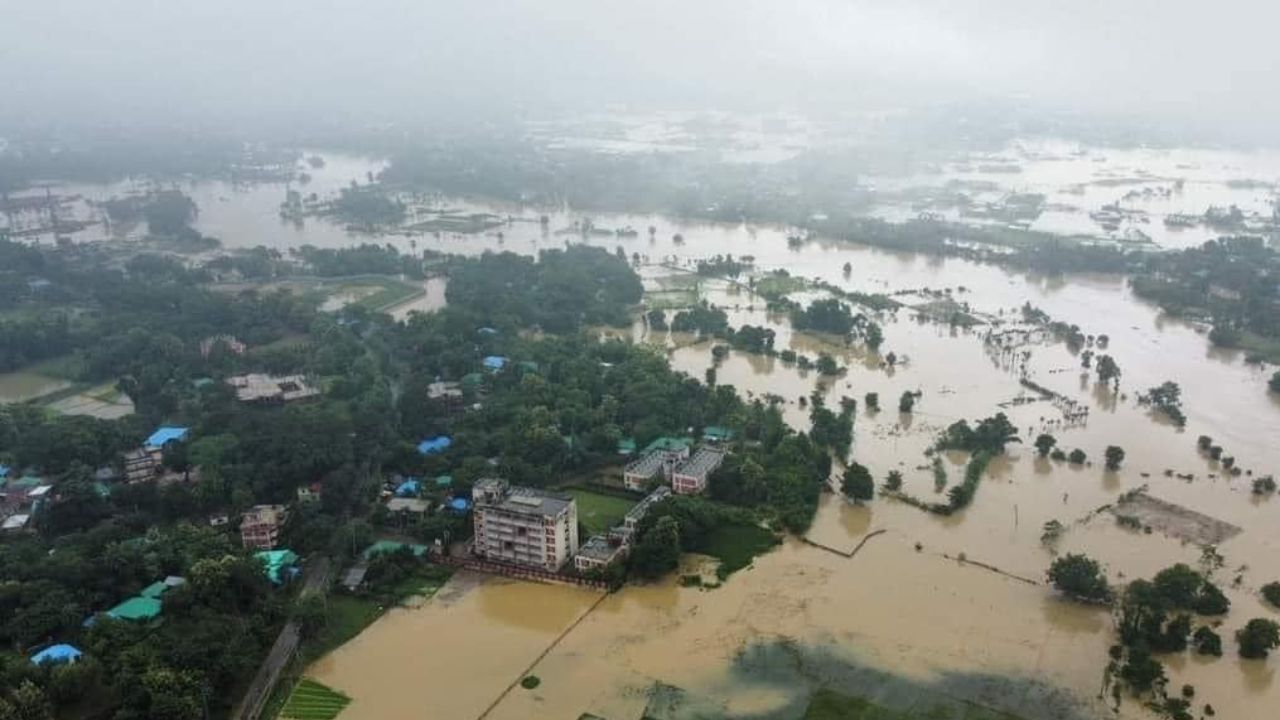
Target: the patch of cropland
(312, 701)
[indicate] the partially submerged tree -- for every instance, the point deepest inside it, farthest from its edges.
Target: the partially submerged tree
(857, 483)
(1045, 444)
(1114, 456)
(1079, 577)
(1257, 638)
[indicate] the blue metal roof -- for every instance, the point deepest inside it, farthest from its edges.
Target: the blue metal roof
(460, 504)
(432, 446)
(494, 362)
(55, 654)
(408, 488)
(166, 434)
(4, 471)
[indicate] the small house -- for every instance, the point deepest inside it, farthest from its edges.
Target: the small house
(165, 435)
(60, 654)
(435, 445)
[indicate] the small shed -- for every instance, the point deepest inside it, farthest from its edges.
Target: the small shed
(166, 434)
(717, 433)
(494, 362)
(435, 445)
(444, 481)
(627, 446)
(409, 488)
(57, 655)
(280, 564)
(459, 505)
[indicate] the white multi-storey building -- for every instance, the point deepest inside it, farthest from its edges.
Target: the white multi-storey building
(690, 476)
(523, 525)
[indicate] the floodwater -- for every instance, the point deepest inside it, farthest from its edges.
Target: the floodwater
(1077, 179)
(804, 616)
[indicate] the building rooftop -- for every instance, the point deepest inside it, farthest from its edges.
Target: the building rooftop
(16, 521)
(702, 462)
(523, 500)
(717, 433)
(639, 509)
(276, 561)
(264, 514)
(414, 505)
(286, 388)
(494, 362)
(646, 465)
(435, 445)
(136, 608)
(166, 434)
(56, 654)
(669, 443)
(597, 547)
(438, 390)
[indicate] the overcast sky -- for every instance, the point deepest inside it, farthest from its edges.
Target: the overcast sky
(377, 60)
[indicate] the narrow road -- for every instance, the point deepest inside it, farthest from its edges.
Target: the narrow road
(282, 652)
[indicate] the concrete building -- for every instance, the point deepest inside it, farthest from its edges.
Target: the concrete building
(522, 525)
(270, 389)
(690, 476)
(656, 464)
(600, 551)
(260, 526)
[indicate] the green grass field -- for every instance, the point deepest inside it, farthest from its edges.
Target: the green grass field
(312, 701)
(737, 546)
(831, 705)
(600, 512)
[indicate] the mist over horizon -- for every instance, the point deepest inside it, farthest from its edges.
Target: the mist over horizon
(1168, 69)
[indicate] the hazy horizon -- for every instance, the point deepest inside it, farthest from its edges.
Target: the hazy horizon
(288, 64)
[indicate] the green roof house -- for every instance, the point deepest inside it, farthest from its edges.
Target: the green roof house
(276, 561)
(717, 433)
(627, 446)
(137, 609)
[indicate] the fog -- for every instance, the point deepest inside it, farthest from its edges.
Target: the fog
(291, 63)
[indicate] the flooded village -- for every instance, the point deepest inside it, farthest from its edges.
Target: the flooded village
(884, 600)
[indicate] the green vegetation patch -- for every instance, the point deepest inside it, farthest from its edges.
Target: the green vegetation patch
(529, 682)
(599, 512)
(831, 705)
(346, 617)
(776, 286)
(312, 701)
(737, 545)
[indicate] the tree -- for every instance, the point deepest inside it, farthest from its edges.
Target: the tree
(1077, 457)
(1142, 672)
(1207, 642)
(1107, 369)
(1271, 593)
(1114, 456)
(893, 482)
(872, 401)
(1274, 382)
(1045, 443)
(907, 402)
(857, 483)
(1258, 637)
(1079, 577)
(657, 552)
